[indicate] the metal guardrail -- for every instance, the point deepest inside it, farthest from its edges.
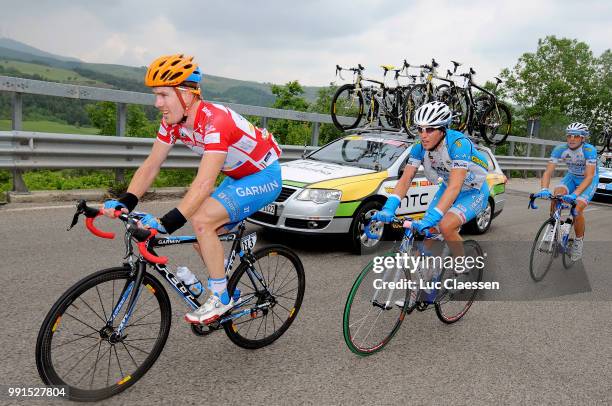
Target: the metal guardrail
(21, 150)
(33, 150)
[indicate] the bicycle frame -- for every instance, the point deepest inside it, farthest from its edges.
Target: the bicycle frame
(147, 241)
(555, 216)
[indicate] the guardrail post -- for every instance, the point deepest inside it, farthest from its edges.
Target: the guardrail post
(19, 185)
(528, 155)
(314, 139)
(542, 155)
(120, 132)
(264, 122)
(511, 149)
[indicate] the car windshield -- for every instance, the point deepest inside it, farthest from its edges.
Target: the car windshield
(362, 151)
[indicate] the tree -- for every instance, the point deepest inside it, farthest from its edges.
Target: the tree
(327, 132)
(288, 97)
(561, 82)
(103, 116)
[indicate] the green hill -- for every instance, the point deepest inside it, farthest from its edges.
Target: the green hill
(20, 59)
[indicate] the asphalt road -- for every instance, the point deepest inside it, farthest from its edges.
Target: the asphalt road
(549, 351)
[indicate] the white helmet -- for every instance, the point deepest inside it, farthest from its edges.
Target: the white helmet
(577, 129)
(433, 114)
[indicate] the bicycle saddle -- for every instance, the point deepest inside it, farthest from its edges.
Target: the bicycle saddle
(387, 67)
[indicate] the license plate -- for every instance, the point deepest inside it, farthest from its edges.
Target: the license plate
(269, 209)
(248, 242)
(604, 186)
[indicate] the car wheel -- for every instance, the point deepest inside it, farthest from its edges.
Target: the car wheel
(482, 222)
(360, 244)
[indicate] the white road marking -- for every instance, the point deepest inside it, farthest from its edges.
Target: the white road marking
(38, 208)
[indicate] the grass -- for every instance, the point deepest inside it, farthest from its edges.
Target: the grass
(50, 73)
(49, 127)
(73, 179)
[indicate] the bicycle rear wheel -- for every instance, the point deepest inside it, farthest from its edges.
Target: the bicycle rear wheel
(542, 252)
(452, 304)
(568, 262)
(347, 102)
(77, 347)
(271, 294)
(496, 123)
(371, 317)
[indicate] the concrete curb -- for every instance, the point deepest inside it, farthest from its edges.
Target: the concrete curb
(46, 196)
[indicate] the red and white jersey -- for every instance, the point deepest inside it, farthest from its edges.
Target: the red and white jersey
(219, 129)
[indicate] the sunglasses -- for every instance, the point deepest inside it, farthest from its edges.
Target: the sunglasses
(428, 130)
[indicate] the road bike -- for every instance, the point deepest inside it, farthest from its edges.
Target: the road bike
(351, 99)
(105, 332)
(554, 238)
(380, 299)
(483, 112)
(378, 103)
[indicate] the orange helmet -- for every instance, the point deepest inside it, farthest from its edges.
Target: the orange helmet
(172, 70)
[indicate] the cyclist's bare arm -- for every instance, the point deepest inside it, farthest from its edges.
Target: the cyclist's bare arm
(589, 174)
(545, 182)
(146, 173)
(403, 184)
(204, 183)
(455, 182)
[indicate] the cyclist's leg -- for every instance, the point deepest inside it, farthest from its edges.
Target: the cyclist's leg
(566, 186)
(434, 202)
(233, 201)
(582, 202)
(466, 207)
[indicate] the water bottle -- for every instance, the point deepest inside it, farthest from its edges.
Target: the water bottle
(190, 281)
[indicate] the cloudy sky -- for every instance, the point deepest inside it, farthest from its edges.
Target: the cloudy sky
(277, 41)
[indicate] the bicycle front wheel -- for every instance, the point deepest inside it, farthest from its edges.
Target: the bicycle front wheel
(271, 294)
(453, 303)
(79, 347)
(375, 308)
(542, 251)
(347, 102)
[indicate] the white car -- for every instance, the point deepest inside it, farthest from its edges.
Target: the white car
(604, 187)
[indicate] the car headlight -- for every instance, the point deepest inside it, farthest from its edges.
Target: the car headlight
(319, 195)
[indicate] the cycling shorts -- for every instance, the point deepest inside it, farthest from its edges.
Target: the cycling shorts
(467, 204)
(570, 182)
(243, 197)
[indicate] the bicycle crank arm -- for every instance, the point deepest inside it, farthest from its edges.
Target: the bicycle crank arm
(245, 312)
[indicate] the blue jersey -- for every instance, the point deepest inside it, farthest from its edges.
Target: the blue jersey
(576, 159)
(455, 151)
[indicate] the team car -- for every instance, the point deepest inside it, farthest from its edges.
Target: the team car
(604, 187)
(336, 188)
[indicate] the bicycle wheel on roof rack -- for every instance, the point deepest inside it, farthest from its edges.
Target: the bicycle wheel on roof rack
(496, 123)
(347, 102)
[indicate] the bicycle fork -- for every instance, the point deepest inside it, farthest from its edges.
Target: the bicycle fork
(386, 304)
(130, 293)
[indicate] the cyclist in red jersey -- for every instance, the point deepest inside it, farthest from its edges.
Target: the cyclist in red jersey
(228, 144)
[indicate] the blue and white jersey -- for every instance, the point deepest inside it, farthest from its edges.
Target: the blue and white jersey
(455, 151)
(577, 159)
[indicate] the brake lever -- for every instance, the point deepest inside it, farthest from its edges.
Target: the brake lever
(75, 220)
